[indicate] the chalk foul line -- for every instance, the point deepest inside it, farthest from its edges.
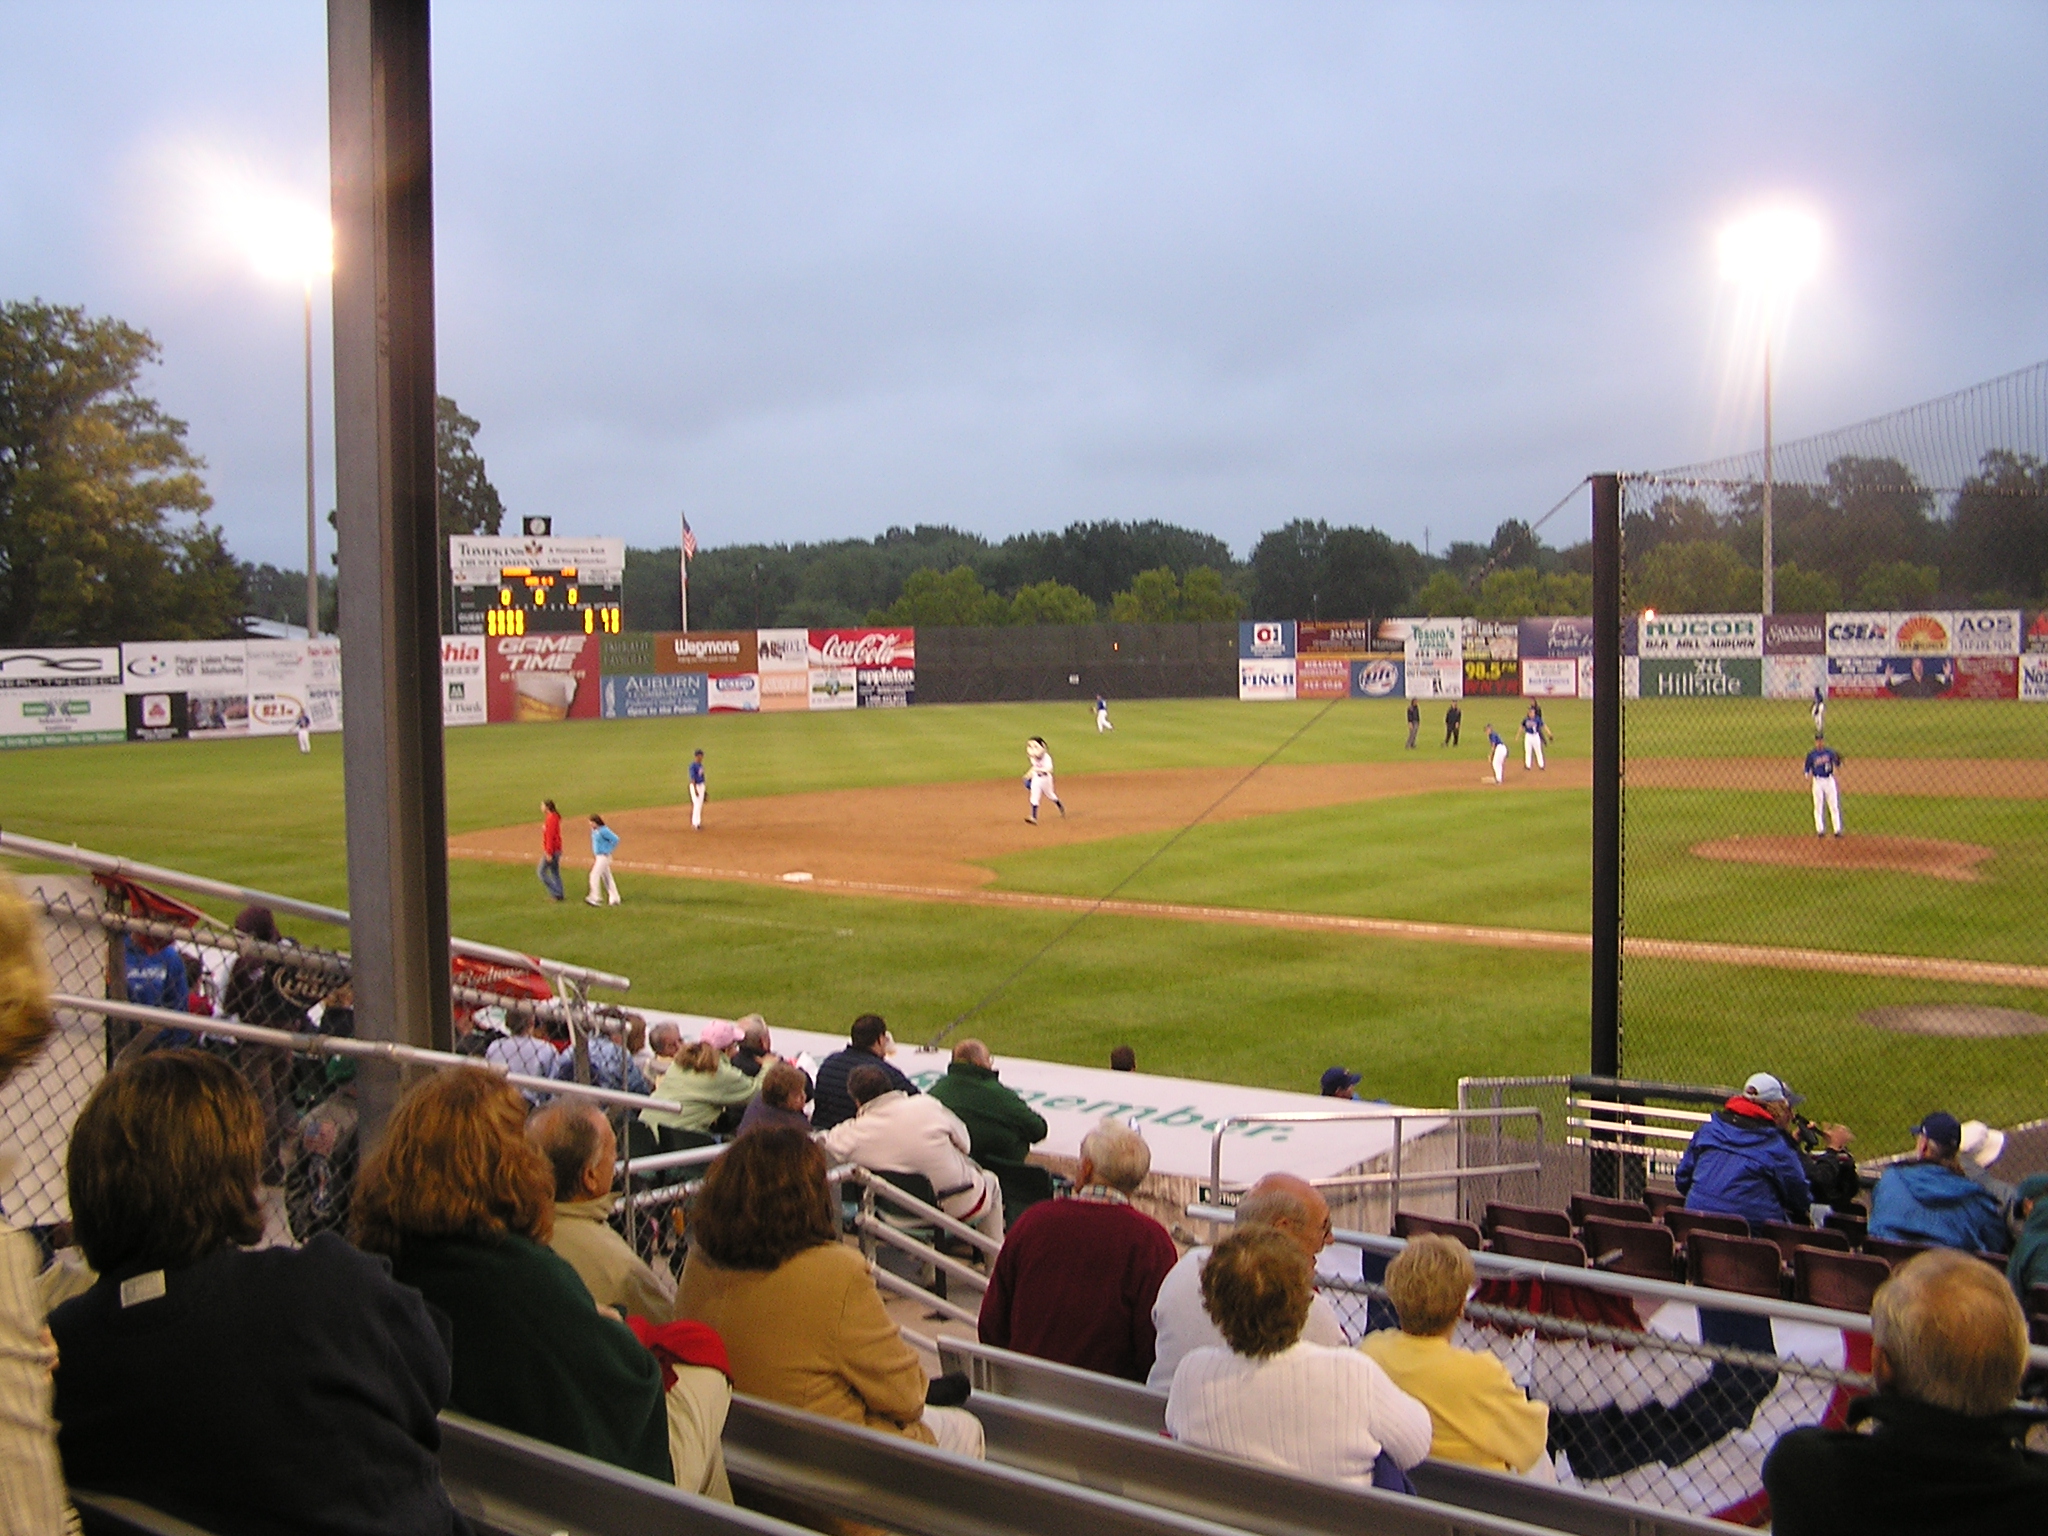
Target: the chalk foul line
(1755, 956)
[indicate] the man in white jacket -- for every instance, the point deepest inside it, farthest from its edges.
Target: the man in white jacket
(897, 1132)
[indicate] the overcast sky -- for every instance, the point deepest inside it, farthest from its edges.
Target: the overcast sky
(809, 271)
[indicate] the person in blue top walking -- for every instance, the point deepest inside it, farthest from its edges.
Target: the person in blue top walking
(1499, 749)
(697, 790)
(1931, 1200)
(1822, 766)
(1743, 1161)
(603, 840)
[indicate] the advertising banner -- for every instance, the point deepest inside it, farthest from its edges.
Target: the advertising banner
(1379, 677)
(1702, 677)
(2034, 677)
(1795, 634)
(531, 679)
(834, 687)
(652, 696)
(626, 655)
(783, 691)
(476, 561)
(155, 716)
(462, 681)
(1988, 632)
(1906, 677)
(1327, 638)
(1434, 655)
(787, 651)
(1265, 682)
(290, 677)
(1924, 634)
(2036, 640)
(864, 648)
(729, 691)
(1587, 673)
(1492, 649)
(213, 675)
(52, 697)
(1985, 677)
(1859, 634)
(1265, 640)
(1322, 677)
(1631, 677)
(885, 687)
(706, 650)
(1554, 637)
(1550, 677)
(1794, 677)
(1691, 635)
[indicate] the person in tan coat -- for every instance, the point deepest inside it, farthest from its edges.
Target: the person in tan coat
(583, 1151)
(802, 1321)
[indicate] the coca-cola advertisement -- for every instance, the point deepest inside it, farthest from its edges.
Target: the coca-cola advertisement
(864, 648)
(532, 679)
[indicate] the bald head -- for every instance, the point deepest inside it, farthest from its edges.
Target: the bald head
(1946, 1330)
(1290, 1205)
(973, 1053)
(579, 1145)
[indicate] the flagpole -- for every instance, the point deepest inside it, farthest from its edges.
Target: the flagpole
(683, 559)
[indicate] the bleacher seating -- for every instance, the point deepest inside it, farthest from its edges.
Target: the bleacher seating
(1850, 1224)
(1684, 1223)
(1643, 1248)
(1844, 1281)
(1584, 1206)
(1892, 1253)
(1540, 1246)
(1789, 1236)
(1723, 1262)
(1661, 1198)
(1412, 1223)
(1502, 1216)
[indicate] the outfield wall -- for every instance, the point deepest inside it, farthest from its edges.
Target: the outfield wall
(167, 691)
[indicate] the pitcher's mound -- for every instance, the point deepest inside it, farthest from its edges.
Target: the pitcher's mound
(1964, 1021)
(1908, 855)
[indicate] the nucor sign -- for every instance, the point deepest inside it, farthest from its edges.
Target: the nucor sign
(1702, 634)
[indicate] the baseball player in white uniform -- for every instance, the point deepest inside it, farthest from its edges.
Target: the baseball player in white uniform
(1821, 764)
(1532, 740)
(1038, 778)
(304, 726)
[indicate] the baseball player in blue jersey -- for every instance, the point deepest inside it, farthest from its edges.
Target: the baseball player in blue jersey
(697, 790)
(1499, 749)
(1821, 765)
(1102, 715)
(1532, 740)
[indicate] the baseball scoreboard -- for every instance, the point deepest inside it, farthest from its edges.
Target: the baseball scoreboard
(538, 586)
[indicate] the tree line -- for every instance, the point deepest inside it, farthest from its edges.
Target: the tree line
(104, 537)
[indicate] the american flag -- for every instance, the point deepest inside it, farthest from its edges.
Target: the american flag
(689, 541)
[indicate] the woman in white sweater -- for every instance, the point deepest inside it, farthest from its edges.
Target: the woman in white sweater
(1271, 1398)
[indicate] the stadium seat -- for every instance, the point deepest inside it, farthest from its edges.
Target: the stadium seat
(1511, 1242)
(1722, 1262)
(1611, 1210)
(1024, 1185)
(1892, 1253)
(2037, 1314)
(1789, 1236)
(1644, 1248)
(1850, 1225)
(1660, 1198)
(1526, 1218)
(1684, 1223)
(1845, 1281)
(673, 1140)
(1410, 1224)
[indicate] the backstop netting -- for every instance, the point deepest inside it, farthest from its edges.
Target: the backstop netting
(1901, 966)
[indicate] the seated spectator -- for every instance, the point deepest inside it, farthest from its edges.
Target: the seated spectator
(1289, 1205)
(638, 1051)
(463, 1206)
(522, 1053)
(156, 974)
(700, 1083)
(1931, 1200)
(279, 1389)
(755, 1050)
(1001, 1127)
(802, 1321)
(663, 1041)
(1271, 1397)
(582, 1149)
(1743, 1161)
(476, 1029)
(895, 1132)
(780, 1101)
(2028, 1265)
(868, 1044)
(1477, 1414)
(610, 1066)
(1340, 1083)
(1076, 1279)
(29, 1468)
(1935, 1448)
(256, 994)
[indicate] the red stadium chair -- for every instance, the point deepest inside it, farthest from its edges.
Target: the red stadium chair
(1512, 1243)
(1850, 1225)
(1661, 1198)
(1845, 1281)
(1612, 1210)
(1724, 1263)
(1526, 1218)
(1684, 1223)
(1644, 1248)
(1788, 1236)
(1409, 1224)
(1892, 1253)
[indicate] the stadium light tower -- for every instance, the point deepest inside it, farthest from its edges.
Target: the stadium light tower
(295, 243)
(1769, 254)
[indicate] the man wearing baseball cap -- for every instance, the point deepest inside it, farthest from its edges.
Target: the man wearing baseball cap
(1338, 1083)
(1743, 1161)
(1929, 1199)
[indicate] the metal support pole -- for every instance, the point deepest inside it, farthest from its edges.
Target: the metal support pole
(1769, 559)
(312, 526)
(1607, 684)
(381, 150)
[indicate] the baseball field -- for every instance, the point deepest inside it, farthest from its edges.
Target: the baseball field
(1350, 901)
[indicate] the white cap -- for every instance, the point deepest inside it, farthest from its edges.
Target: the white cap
(1981, 1144)
(1766, 1089)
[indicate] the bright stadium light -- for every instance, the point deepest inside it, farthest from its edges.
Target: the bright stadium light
(1769, 254)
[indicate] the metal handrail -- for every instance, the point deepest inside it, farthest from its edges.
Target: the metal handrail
(1398, 1117)
(877, 1186)
(112, 864)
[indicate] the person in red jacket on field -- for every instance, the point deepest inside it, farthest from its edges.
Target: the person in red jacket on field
(1076, 1278)
(550, 870)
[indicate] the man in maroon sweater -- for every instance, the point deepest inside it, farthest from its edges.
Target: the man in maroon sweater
(1076, 1278)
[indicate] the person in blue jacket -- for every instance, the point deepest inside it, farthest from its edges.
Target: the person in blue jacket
(1931, 1200)
(1743, 1161)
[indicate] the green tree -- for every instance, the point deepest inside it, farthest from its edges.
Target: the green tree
(1693, 576)
(1288, 570)
(1154, 598)
(1897, 584)
(2000, 530)
(1204, 600)
(281, 595)
(932, 599)
(1528, 593)
(1797, 591)
(96, 484)
(465, 499)
(1442, 596)
(1051, 602)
